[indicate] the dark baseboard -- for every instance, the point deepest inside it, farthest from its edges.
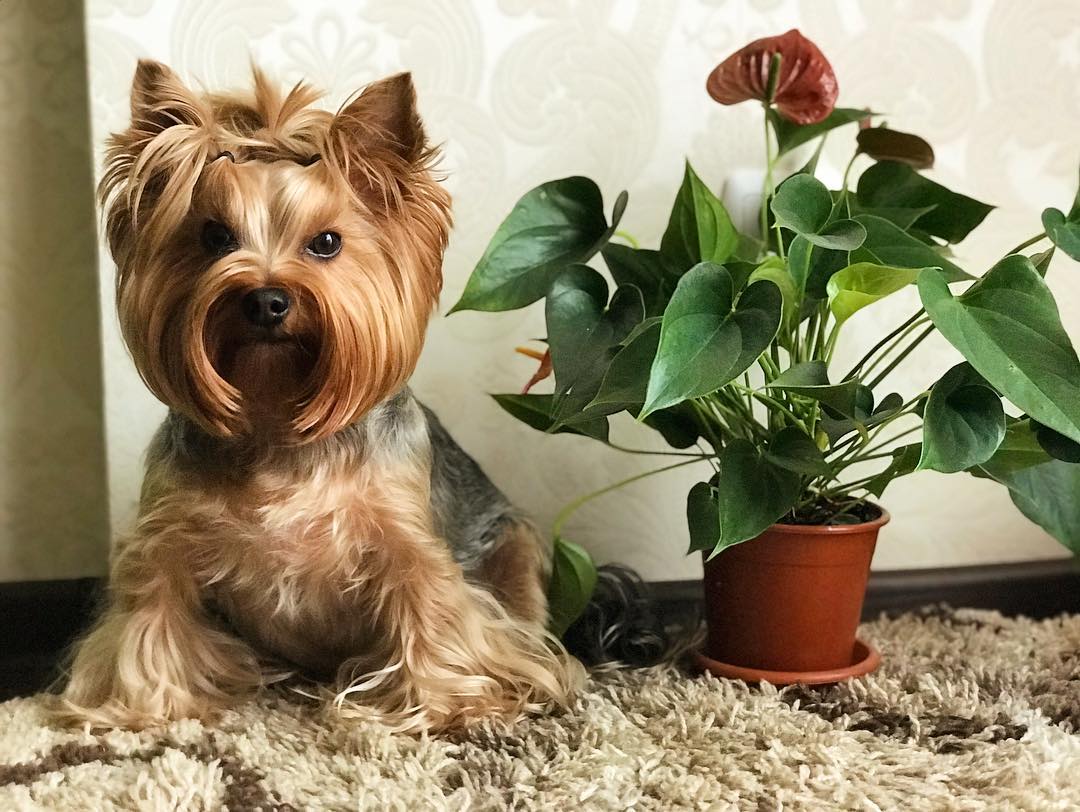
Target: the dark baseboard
(40, 619)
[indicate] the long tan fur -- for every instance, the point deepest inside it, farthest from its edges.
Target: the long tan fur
(296, 550)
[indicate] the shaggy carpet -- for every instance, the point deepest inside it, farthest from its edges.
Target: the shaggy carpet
(970, 711)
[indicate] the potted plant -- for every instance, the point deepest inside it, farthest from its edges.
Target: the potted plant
(724, 343)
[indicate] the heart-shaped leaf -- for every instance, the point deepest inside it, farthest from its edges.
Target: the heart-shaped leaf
(1047, 495)
(705, 342)
(856, 286)
(536, 411)
(750, 492)
(790, 135)
(1064, 232)
(702, 517)
(904, 460)
(584, 335)
(627, 378)
(554, 225)
(803, 204)
(883, 144)
(1041, 260)
(793, 450)
(678, 425)
(1057, 445)
(839, 235)
(811, 380)
(699, 229)
(945, 214)
(866, 415)
(573, 580)
(886, 244)
(1020, 449)
(963, 423)
(649, 271)
(1007, 327)
(774, 270)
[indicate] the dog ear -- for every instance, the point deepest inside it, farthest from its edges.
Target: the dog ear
(159, 100)
(383, 121)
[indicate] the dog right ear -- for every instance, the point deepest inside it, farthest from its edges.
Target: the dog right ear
(159, 100)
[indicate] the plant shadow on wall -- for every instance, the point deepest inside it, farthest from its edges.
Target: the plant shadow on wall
(724, 342)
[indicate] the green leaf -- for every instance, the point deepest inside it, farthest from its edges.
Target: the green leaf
(699, 229)
(905, 460)
(774, 270)
(702, 517)
(886, 244)
(1041, 260)
(811, 380)
(803, 204)
(678, 425)
(884, 144)
(1057, 445)
(627, 378)
(798, 258)
(536, 411)
(554, 225)
(580, 328)
(793, 450)
(901, 217)
(573, 580)
(946, 214)
(839, 235)
(583, 335)
(751, 493)
(1049, 495)
(1020, 449)
(865, 415)
(856, 286)
(963, 423)
(649, 271)
(705, 342)
(1007, 327)
(1064, 232)
(790, 135)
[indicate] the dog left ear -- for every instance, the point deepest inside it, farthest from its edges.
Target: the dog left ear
(382, 121)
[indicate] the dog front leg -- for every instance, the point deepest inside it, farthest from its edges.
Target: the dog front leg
(453, 654)
(154, 655)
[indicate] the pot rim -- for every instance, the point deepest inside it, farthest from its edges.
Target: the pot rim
(832, 529)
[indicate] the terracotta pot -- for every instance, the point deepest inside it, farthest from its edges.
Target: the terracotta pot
(790, 600)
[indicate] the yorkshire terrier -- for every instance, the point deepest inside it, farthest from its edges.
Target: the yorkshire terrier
(301, 511)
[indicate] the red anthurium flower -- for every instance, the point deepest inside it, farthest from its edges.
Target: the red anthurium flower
(542, 372)
(806, 88)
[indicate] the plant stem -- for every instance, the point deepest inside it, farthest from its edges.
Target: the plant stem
(625, 450)
(862, 361)
(1026, 243)
(569, 510)
(896, 362)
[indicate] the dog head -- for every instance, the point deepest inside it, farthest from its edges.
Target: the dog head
(276, 263)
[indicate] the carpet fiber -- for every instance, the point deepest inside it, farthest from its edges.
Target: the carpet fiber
(970, 711)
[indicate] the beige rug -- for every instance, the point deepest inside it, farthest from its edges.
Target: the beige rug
(970, 711)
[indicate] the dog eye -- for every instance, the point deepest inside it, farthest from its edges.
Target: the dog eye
(325, 245)
(217, 239)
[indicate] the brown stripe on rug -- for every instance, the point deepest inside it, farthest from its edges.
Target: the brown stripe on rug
(970, 710)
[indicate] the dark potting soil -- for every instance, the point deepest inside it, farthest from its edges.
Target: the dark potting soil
(829, 512)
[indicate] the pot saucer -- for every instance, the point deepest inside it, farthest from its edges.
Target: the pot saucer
(866, 661)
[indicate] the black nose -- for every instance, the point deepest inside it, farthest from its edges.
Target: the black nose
(266, 307)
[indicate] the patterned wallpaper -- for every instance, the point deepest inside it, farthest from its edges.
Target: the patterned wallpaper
(52, 459)
(525, 91)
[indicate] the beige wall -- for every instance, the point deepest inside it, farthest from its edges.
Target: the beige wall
(52, 468)
(522, 92)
